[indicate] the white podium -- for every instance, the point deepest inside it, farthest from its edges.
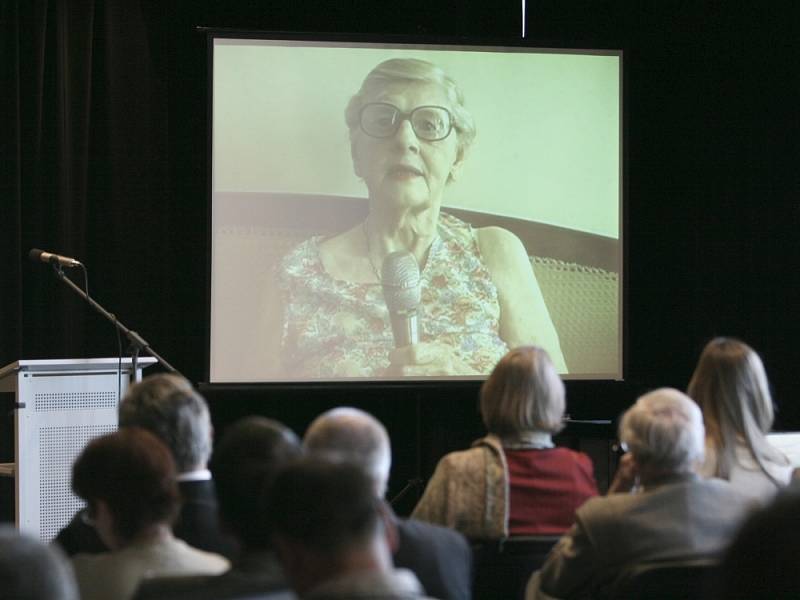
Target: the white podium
(58, 406)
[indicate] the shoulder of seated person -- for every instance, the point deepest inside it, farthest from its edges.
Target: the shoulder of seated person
(415, 526)
(608, 506)
(494, 237)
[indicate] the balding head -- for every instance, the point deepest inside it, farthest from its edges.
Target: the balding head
(354, 436)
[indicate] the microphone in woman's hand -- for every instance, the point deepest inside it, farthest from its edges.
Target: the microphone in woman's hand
(400, 281)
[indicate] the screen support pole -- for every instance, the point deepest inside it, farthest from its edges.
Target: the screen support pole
(523, 17)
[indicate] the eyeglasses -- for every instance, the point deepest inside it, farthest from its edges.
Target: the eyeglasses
(382, 120)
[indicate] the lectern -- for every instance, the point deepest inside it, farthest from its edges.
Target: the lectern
(58, 406)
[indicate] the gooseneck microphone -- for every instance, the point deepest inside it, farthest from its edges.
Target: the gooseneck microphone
(401, 291)
(37, 255)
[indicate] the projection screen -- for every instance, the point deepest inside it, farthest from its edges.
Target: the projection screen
(496, 171)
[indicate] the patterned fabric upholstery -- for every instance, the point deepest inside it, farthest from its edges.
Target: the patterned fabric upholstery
(583, 304)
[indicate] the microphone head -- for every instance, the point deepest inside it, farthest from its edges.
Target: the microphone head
(400, 281)
(35, 254)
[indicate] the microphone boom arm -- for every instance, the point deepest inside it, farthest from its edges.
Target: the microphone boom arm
(137, 342)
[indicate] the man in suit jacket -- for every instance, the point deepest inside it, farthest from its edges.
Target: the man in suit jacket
(439, 557)
(331, 533)
(167, 406)
(675, 515)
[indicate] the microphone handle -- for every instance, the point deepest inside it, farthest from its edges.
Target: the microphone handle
(405, 327)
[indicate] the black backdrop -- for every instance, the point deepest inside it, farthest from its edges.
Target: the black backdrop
(103, 133)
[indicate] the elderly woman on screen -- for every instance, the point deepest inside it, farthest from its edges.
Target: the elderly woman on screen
(513, 481)
(409, 135)
(731, 387)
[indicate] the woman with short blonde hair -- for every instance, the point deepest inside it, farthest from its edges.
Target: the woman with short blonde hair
(514, 481)
(523, 393)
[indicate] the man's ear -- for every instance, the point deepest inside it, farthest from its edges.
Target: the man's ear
(389, 528)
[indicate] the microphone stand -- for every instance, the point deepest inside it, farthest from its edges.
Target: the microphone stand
(137, 342)
(412, 484)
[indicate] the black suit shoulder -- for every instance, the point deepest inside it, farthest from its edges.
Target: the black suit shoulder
(198, 521)
(440, 557)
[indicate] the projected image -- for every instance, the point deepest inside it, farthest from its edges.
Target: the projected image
(374, 240)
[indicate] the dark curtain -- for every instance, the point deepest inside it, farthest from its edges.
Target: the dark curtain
(103, 140)
(89, 175)
(104, 158)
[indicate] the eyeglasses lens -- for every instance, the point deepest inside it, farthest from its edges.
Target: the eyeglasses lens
(430, 123)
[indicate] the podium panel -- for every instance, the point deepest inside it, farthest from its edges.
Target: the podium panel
(59, 406)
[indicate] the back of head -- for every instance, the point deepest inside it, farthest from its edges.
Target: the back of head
(523, 393)
(664, 431)
(328, 507)
(731, 387)
(29, 570)
(352, 435)
(762, 560)
(245, 462)
(167, 406)
(133, 473)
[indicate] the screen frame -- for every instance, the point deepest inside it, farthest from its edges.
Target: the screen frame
(416, 42)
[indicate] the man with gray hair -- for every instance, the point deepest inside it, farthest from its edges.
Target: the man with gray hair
(168, 406)
(674, 514)
(438, 556)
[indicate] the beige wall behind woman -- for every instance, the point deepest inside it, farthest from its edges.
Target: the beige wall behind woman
(547, 149)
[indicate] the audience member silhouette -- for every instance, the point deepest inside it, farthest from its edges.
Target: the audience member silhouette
(127, 479)
(731, 387)
(29, 570)
(167, 406)
(676, 515)
(332, 536)
(244, 464)
(438, 556)
(761, 564)
(514, 481)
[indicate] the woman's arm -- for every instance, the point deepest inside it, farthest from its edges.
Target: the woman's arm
(524, 318)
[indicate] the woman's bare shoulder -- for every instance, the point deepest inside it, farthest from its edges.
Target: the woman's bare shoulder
(499, 247)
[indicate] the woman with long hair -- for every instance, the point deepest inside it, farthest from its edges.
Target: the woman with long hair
(731, 387)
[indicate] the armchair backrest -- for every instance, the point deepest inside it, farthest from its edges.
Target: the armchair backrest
(502, 568)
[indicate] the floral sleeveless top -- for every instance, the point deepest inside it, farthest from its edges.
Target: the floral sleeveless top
(336, 328)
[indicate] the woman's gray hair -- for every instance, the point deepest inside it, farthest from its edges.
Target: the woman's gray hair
(167, 406)
(523, 393)
(414, 70)
(731, 387)
(664, 431)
